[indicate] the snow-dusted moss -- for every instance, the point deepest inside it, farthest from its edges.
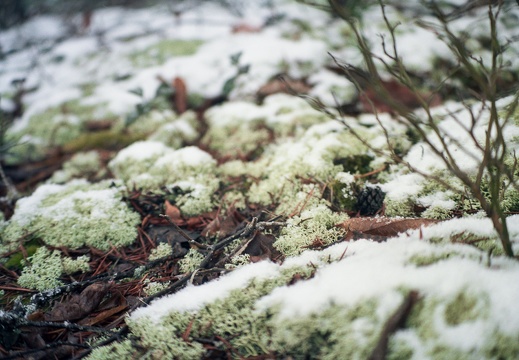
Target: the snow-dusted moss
(337, 332)
(74, 215)
(163, 50)
(45, 267)
(81, 165)
(136, 159)
(52, 127)
(314, 225)
(177, 132)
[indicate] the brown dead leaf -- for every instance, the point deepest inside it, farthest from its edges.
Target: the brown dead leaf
(173, 213)
(381, 226)
(103, 315)
(398, 93)
(285, 85)
(180, 95)
(79, 305)
(245, 28)
(261, 248)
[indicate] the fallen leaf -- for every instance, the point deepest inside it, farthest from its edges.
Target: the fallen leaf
(284, 85)
(381, 226)
(79, 305)
(245, 28)
(173, 212)
(180, 95)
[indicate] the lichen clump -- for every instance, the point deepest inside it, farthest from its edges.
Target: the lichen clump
(74, 215)
(45, 267)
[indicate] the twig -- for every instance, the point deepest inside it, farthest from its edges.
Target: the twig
(396, 321)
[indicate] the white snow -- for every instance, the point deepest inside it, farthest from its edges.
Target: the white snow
(194, 297)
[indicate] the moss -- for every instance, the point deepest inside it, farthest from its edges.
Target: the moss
(337, 332)
(74, 215)
(191, 261)
(315, 225)
(162, 250)
(437, 212)
(80, 264)
(163, 50)
(81, 165)
(399, 350)
(501, 346)
(56, 126)
(177, 131)
(466, 307)
(153, 287)
(107, 139)
(116, 350)
(44, 270)
(355, 164)
(403, 208)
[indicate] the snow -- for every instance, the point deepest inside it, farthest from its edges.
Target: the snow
(194, 297)
(359, 270)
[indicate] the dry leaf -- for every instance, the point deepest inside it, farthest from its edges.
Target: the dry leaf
(180, 95)
(285, 85)
(173, 213)
(79, 305)
(381, 226)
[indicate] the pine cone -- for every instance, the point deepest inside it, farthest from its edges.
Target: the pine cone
(370, 200)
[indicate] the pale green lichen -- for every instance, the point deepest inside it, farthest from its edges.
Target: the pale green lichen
(437, 212)
(80, 264)
(116, 350)
(191, 261)
(163, 50)
(74, 215)
(395, 208)
(81, 165)
(337, 332)
(153, 287)
(195, 195)
(44, 269)
(237, 261)
(162, 250)
(52, 127)
(316, 225)
(177, 131)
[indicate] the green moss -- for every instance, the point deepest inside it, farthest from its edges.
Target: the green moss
(315, 225)
(355, 164)
(44, 270)
(399, 350)
(403, 208)
(81, 165)
(337, 332)
(116, 350)
(177, 131)
(162, 250)
(466, 307)
(501, 346)
(163, 50)
(191, 261)
(56, 126)
(74, 215)
(45, 267)
(80, 264)
(437, 212)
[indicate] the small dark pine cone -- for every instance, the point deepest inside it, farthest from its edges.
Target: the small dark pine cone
(370, 200)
